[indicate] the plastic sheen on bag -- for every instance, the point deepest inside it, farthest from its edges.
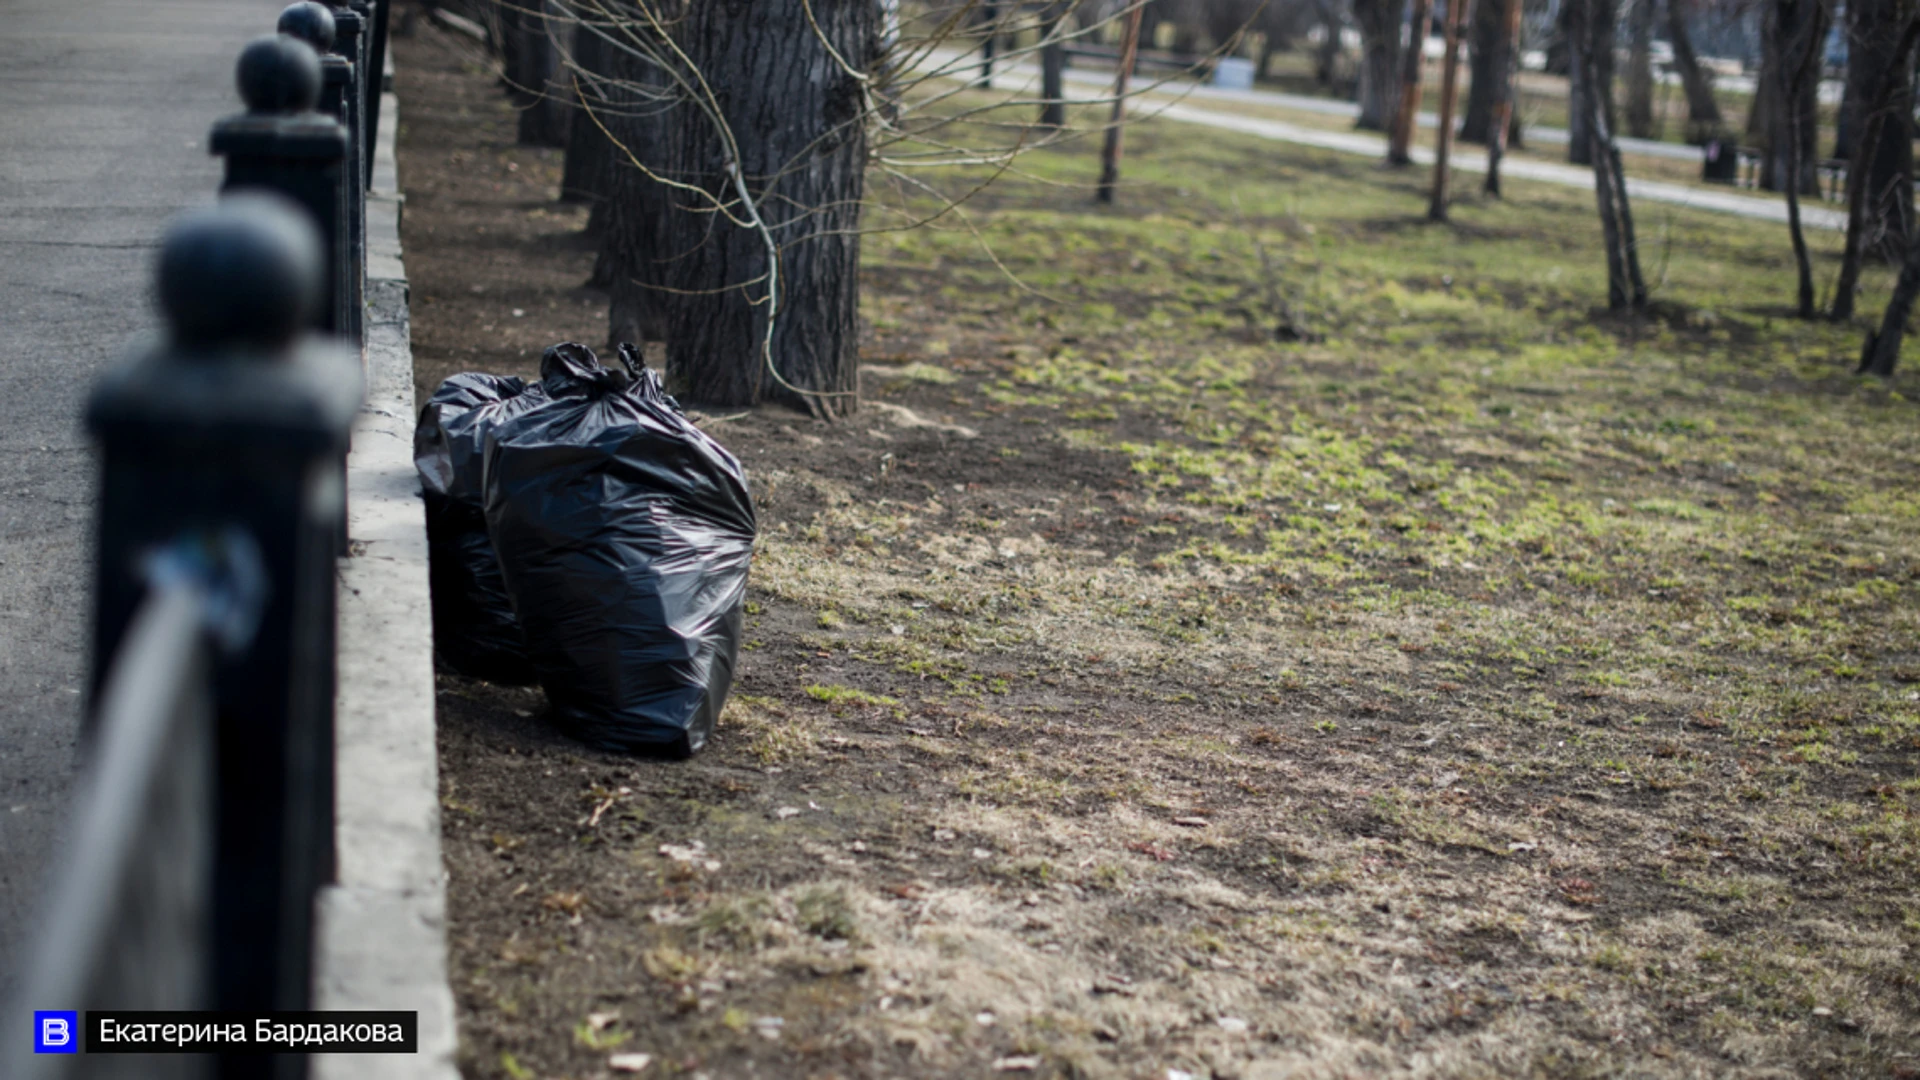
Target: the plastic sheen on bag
(474, 627)
(624, 534)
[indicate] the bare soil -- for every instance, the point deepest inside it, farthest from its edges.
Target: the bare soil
(1046, 756)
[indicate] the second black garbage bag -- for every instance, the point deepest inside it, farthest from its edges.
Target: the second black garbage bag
(474, 628)
(624, 534)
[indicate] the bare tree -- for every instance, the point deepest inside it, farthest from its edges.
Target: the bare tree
(1703, 111)
(1449, 85)
(1406, 118)
(1503, 124)
(1879, 85)
(744, 133)
(1589, 81)
(1379, 22)
(531, 33)
(1626, 289)
(1640, 24)
(1786, 110)
(1796, 30)
(1885, 100)
(1488, 70)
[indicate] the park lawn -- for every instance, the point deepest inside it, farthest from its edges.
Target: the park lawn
(1249, 631)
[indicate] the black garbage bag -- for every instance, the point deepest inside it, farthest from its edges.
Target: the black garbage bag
(624, 533)
(474, 627)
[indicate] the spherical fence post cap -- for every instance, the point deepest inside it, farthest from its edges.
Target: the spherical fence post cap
(310, 22)
(246, 271)
(278, 74)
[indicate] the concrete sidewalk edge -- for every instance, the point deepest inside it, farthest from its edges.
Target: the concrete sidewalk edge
(382, 937)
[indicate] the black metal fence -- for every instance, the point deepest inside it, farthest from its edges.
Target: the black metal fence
(202, 826)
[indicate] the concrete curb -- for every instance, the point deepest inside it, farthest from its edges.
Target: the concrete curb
(382, 936)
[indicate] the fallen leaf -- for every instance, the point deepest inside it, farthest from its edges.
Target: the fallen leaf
(1142, 847)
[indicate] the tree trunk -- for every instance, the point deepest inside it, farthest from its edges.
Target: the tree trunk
(1503, 109)
(1406, 117)
(535, 71)
(1878, 73)
(1783, 100)
(1328, 55)
(1626, 289)
(989, 21)
(1487, 68)
(1379, 23)
(1640, 70)
(1449, 87)
(1892, 82)
(1797, 30)
(635, 252)
(1703, 112)
(588, 171)
(1110, 147)
(1595, 76)
(798, 120)
(1053, 67)
(1882, 348)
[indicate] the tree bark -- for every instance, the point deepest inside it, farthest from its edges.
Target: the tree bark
(1110, 147)
(1503, 110)
(798, 120)
(1053, 67)
(588, 170)
(1626, 288)
(1406, 117)
(1487, 64)
(536, 74)
(1880, 79)
(1891, 83)
(1640, 70)
(1327, 56)
(1784, 100)
(1449, 87)
(636, 256)
(1379, 23)
(1796, 30)
(1703, 112)
(1595, 76)
(1882, 349)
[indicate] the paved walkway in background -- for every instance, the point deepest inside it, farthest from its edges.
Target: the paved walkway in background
(1211, 107)
(104, 110)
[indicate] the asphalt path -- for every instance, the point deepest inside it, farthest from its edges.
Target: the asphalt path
(1213, 107)
(104, 110)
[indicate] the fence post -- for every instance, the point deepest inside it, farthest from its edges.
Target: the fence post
(237, 420)
(376, 76)
(281, 144)
(315, 24)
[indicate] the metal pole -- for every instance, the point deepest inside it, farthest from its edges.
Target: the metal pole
(1110, 152)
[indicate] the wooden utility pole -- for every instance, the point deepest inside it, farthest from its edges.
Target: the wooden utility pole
(1449, 83)
(1406, 119)
(1503, 103)
(1110, 152)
